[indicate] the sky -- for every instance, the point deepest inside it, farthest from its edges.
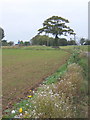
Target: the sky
(21, 19)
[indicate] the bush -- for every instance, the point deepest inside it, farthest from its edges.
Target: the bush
(51, 105)
(71, 81)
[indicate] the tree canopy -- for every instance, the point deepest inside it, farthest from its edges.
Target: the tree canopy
(42, 40)
(56, 26)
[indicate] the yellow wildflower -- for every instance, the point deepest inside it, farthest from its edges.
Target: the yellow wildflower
(30, 96)
(20, 110)
(30, 90)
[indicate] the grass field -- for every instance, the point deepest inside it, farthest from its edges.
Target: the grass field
(23, 69)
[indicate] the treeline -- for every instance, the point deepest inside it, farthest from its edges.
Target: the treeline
(11, 43)
(5, 43)
(50, 41)
(47, 41)
(84, 41)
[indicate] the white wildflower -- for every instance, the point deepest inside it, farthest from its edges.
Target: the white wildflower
(61, 80)
(56, 105)
(26, 112)
(47, 87)
(13, 111)
(33, 91)
(20, 114)
(16, 116)
(33, 111)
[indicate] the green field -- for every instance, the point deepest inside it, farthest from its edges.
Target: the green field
(24, 68)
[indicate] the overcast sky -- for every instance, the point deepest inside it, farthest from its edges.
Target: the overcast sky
(21, 19)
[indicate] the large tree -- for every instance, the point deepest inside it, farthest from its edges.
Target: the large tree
(56, 26)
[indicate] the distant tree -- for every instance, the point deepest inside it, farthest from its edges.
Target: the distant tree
(26, 43)
(4, 43)
(87, 42)
(37, 40)
(20, 43)
(56, 26)
(50, 41)
(10, 43)
(41, 40)
(72, 42)
(82, 41)
(62, 42)
(1, 33)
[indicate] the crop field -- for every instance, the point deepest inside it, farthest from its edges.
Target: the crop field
(23, 69)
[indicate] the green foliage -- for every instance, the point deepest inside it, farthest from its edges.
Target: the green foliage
(54, 78)
(4, 43)
(72, 42)
(56, 26)
(1, 33)
(26, 43)
(74, 58)
(87, 42)
(83, 61)
(10, 43)
(82, 40)
(49, 41)
(42, 40)
(62, 42)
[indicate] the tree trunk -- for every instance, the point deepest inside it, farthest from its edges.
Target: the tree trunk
(56, 40)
